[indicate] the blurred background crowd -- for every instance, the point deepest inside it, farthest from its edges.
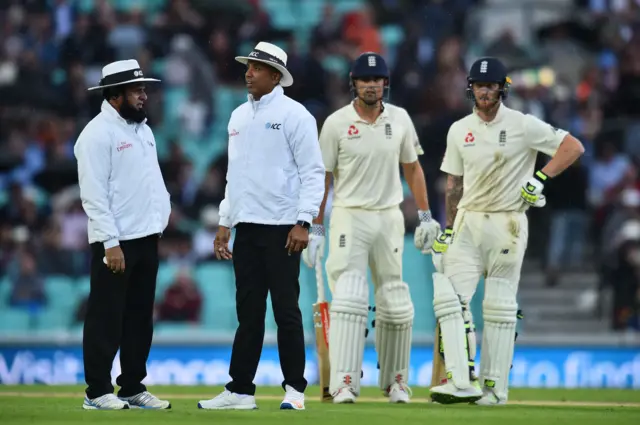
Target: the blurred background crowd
(574, 63)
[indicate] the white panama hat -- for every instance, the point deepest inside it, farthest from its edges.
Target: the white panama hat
(273, 56)
(121, 72)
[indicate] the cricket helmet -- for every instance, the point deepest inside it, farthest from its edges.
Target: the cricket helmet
(369, 65)
(488, 70)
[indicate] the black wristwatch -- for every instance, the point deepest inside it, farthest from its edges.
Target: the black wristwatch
(304, 224)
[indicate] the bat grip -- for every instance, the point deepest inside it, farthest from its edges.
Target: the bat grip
(319, 277)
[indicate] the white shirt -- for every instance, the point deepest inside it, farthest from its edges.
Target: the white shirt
(497, 157)
(121, 186)
(275, 173)
(364, 156)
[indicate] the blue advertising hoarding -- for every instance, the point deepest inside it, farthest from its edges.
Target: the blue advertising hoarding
(549, 367)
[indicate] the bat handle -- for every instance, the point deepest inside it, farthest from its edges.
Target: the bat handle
(319, 277)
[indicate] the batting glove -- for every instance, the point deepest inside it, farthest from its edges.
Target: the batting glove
(315, 247)
(440, 247)
(426, 232)
(531, 191)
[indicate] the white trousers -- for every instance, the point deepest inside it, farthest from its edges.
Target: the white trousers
(485, 244)
(360, 238)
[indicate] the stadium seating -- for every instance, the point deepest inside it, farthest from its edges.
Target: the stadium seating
(216, 282)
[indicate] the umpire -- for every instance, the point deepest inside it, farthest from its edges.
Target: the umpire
(275, 185)
(124, 195)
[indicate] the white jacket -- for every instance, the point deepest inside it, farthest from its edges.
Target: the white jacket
(275, 173)
(121, 186)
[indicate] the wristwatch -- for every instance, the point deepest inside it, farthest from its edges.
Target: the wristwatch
(304, 224)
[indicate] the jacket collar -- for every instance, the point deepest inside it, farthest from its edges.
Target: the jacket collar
(267, 98)
(112, 114)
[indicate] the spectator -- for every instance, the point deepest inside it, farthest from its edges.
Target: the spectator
(182, 301)
(28, 285)
(626, 290)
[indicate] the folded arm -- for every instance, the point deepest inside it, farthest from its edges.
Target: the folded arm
(568, 152)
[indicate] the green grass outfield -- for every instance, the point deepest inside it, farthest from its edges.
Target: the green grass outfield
(39, 404)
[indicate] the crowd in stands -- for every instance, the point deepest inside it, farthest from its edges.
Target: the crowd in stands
(51, 51)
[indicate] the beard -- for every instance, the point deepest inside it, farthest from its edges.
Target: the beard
(130, 113)
(370, 99)
(487, 102)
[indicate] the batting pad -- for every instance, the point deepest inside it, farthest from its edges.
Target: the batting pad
(394, 325)
(448, 312)
(500, 315)
(348, 318)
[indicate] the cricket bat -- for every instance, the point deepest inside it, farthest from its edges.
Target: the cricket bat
(438, 372)
(321, 325)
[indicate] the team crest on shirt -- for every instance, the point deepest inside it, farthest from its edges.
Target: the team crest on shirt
(387, 130)
(353, 132)
(502, 140)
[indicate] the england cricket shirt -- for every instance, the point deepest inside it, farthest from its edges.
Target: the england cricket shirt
(364, 157)
(497, 157)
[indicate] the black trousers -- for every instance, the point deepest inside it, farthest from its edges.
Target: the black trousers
(120, 316)
(262, 264)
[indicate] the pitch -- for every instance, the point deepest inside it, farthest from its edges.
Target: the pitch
(62, 405)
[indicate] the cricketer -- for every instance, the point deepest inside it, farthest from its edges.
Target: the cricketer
(490, 161)
(362, 145)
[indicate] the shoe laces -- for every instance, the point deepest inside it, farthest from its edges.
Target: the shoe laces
(223, 394)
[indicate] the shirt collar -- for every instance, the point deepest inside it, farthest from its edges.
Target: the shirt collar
(267, 98)
(499, 116)
(111, 112)
(384, 115)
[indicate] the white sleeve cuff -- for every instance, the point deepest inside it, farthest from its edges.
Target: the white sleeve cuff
(224, 222)
(304, 216)
(111, 243)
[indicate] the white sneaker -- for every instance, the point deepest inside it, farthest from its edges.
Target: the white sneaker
(450, 394)
(229, 401)
(345, 395)
(146, 400)
(105, 402)
(399, 393)
(293, 400)
(489, 398)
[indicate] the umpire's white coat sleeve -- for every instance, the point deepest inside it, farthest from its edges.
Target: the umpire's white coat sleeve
(224, 210)
(308, 157)
(93, 152)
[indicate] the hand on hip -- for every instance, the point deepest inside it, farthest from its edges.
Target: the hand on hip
(531, 193)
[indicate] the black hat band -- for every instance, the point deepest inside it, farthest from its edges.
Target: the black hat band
(264, 56)
(121, 77)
